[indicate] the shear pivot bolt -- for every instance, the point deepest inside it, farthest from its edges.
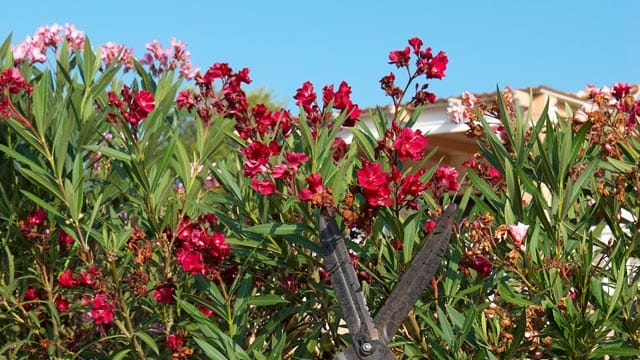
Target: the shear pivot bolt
(366, 348)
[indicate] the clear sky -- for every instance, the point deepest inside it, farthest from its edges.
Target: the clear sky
(561, 44)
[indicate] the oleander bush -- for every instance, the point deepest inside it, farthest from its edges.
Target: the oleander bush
(147, 210)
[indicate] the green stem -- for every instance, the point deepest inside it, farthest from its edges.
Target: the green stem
(130, 332)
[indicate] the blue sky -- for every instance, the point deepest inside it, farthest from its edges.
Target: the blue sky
(561, 44)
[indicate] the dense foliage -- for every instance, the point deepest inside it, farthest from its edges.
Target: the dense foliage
(124, 235)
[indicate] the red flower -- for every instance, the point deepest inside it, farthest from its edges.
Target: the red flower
(185, 100)
(30, 294)
(340, 148)
(175, 342)
(66, 279)
(37, 217)
(64, 240)
(495, 174)
(205, 310)
(371, 176)
(190, 261)
(620, 90)
(315, 186)
(13, 80)
(437, 66)
(416, 44)
(400, 57)
(411, 185)
(482, 265)
(264, 187)
(217, 246)
(295, 158)
(62, 304)
(102, 310)
(379, 197)
(306, 96)
(164, 293)
(216, 71)
(429, 225)
(88, 278)
(410, 144)
(145, 103)
(445, 177)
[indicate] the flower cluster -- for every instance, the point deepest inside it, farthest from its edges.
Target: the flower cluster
(229, 101)
(427, 64)
(12, 82)
(266, 131)
(198, 250)
(34, 48)
(133, 106)
(306, 98)
(161, 60)
(614, 116)
(117, 53)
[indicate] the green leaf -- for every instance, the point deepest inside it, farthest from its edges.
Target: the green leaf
(41, 104)
(620, 284)
(483, 187)
(445, 325)
(510, 296)
(209, 350)
(110, 152)
(365, 143)
(43, 204)
(148, 340)
(121, 354)
(279, 229)
(614, 350)
(266, 300)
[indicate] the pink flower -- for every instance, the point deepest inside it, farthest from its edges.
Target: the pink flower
(264, 187)
(518, 233)
(164, 293)
(102, 310)
(74, 37)
(112, 52)
(410, 144)
(66, 279)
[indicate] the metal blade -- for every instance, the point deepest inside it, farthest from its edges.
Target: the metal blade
(416, 277)
(349, 293)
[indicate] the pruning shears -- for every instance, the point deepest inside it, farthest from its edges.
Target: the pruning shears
(371, 335)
